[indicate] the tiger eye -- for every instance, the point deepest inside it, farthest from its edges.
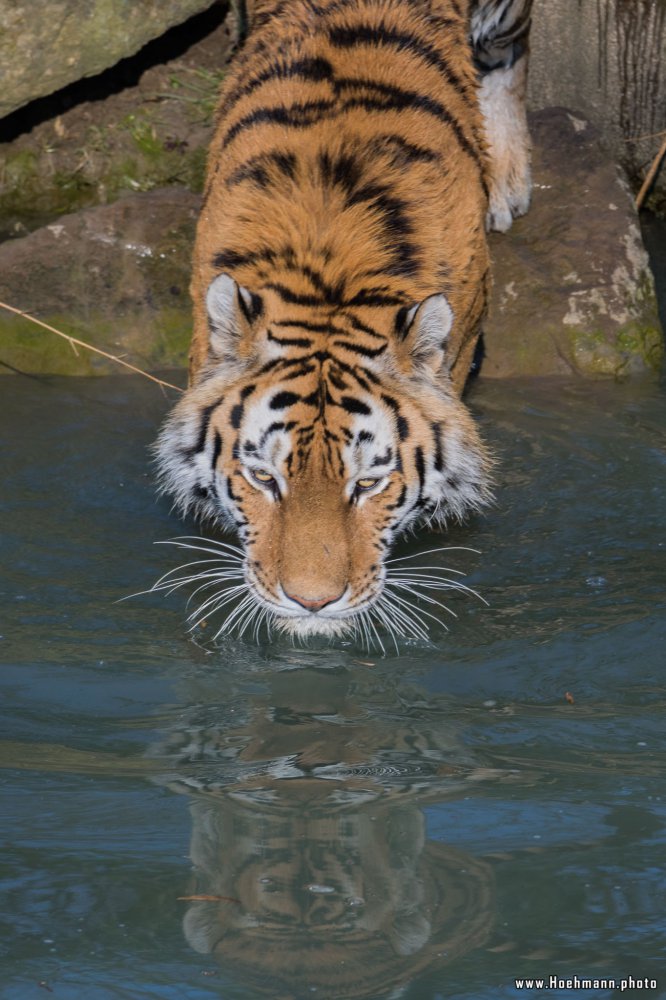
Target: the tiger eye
(366, 484)
(262, 476)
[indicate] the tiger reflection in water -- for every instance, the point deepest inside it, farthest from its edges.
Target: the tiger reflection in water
(306, 805)
(339, 903)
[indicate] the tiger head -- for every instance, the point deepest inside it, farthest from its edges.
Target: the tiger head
(320, 437)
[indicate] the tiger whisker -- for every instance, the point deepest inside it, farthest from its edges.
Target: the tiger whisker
(172, 586)
(427, 599)
(416, 628)
(378, 611)
(417, 569)
(261, 617)
(178, 581)
(214, 603)
(231, 557)
(209, 541)
(429, 582)
(224, 626)
(240, 609)
(442, 548)
(417, 612)
(363, 630)
(206, 586)
(245, 620)
(371, 624)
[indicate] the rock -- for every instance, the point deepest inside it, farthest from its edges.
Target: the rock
(46, 44)
(606, 59)
(116, 276)
(573, 290)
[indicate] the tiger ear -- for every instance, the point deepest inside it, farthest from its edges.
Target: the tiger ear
(232, 311)
(424, 330)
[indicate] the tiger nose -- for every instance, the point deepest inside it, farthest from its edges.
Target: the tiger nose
(313, 603)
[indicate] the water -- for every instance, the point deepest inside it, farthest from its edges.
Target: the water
(431, 824)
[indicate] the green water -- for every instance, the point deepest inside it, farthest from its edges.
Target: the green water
(433, 824)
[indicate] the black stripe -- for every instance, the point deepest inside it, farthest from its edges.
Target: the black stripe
(342, 169)
(363, 327)
(353, 371)
(385, 458)
(294, 298)
(370, 297)
(396, 99)
(332, 294)
(419, 461)
(314, 70)
(382, 35)
(394, 214)
(283, 399)
(236, 258)
(312, 327)
(236, 416)
(298, 115)
(403, 152)
(303, 369)
(400, 501)
(253, 309)
(436, 429)
(206, 415)
(277, 425)
(256, 168)
(304, 342)
(367, 352)
(366, 297)
(337, 380)
(352, 405)
(217, 448)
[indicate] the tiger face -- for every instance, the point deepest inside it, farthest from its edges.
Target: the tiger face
(320, 442)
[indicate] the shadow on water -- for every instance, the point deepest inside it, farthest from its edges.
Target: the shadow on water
(434, 823)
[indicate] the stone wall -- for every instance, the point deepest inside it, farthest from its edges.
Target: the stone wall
(607, 60)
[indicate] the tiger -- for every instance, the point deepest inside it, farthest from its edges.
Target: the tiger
(361, 151)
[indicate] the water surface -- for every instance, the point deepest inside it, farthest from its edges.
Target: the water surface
(433, 823)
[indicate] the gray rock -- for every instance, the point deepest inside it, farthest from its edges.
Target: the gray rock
(46, 44)
(607, 60)
(573, 291)
(115, 276)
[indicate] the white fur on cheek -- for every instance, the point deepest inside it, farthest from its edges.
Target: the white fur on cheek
(185, 462)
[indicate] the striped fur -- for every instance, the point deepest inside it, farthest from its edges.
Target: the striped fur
(340, 279)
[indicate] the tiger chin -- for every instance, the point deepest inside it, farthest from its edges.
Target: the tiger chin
(340, 280)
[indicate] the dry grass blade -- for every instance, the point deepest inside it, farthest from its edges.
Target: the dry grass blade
(651, 174)
(74, 343)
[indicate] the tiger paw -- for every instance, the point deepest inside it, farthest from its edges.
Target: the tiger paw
(509, 198)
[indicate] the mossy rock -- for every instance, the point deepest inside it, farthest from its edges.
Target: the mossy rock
(115, 276)
(573, 289)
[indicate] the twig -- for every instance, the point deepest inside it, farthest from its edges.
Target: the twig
(648, 135)
(74, 342)
(651, 174)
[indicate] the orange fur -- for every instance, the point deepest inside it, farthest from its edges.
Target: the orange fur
(446, 197)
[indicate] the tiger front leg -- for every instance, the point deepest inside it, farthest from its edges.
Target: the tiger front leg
(502, 100)
(499, 31)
